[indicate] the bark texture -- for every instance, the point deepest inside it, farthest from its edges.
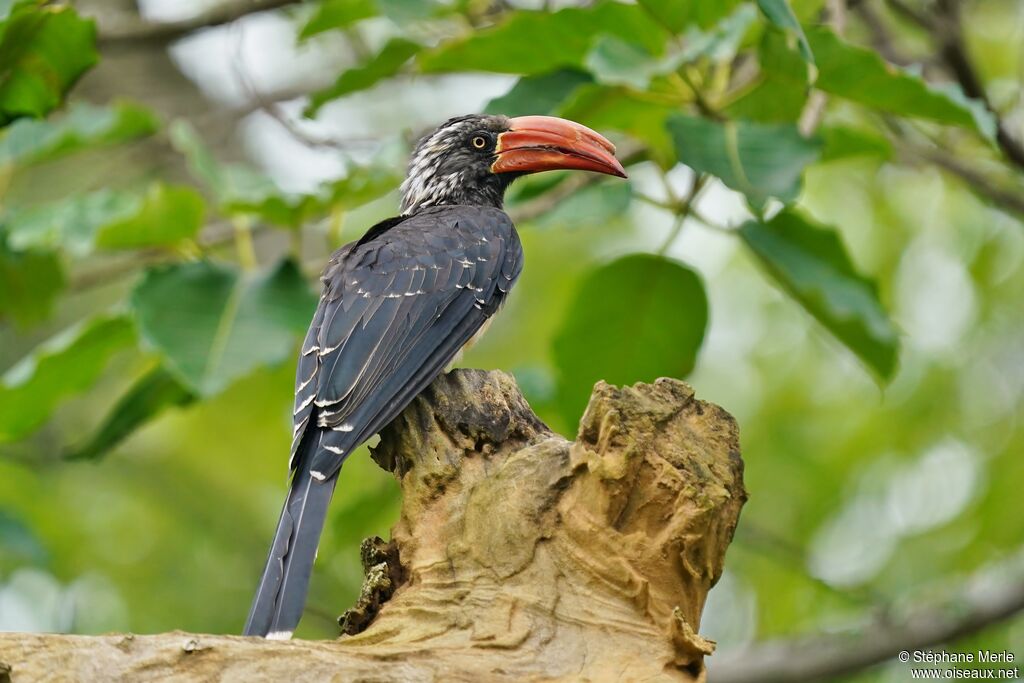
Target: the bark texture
(519, 555)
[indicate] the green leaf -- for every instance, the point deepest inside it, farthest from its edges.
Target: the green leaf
(337, 14)
(385, 64)
(69, 224)
(530, 43)
(780, 92)
(842, 142)
(675, 15)
(214, 325)
(607, 108)
(861, 76)
(633, 320)
(242, 190)
(809, 261)
(44, 49)
(720, 42)
(404, 12)
(534, 185)
(614, 61)
(593, 205)
(541, 94)
(167, 215)
(771, 100)
(29, 283)
(28, 141)
(759, 160)
(67, 364)
(237, 188)
(18, 544)
(781, 14)
(362, 185)
(7, 6)
(154, 392)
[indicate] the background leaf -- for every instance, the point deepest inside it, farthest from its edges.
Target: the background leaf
(719, 42)
(843, 142)
(391, 58)
(18, 543)
(240, 189)
(29, 283)
(71, 223)
(539, 42)
(404, 12)
(781, 14)
(43, 51)
(167, 215)
(153, 393)
(780, 92)
(337, 14)
(614, 61)
(759, 160)
(593, 205)
(861, 76)
(67, 364)
(676, 15)
(28, 141)
(112, 219)
(615, 109)
(660, 312)
(214, 324)
(810, 262)
(540, 94)
(236, 187)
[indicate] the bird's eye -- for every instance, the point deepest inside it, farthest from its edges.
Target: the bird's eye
(479, 141)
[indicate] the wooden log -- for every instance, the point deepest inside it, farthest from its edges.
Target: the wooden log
(519, 555)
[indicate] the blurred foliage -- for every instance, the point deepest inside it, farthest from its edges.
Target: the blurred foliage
(799, 237)
(809, 261)
(214, 325)
(43, 51)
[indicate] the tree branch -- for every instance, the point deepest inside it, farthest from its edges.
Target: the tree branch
(881, 40)
(272, 108)
(834, 15)
(955, 55)
(137, 30)
(946, 30)
(518, 555)
(1003, 197)
(907, 12)
(987, 599)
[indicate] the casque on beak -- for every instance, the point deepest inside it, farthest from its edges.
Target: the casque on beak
(548, 143)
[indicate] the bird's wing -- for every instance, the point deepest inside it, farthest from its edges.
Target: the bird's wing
(395, 310)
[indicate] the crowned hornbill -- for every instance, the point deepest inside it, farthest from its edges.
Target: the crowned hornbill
(397, 306)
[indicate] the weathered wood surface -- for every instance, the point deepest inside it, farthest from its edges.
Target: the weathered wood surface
(518, 556)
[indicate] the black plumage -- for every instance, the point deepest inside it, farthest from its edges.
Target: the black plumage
(397, 307)
(395, 310)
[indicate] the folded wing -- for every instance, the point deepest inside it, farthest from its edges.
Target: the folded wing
(396, 309)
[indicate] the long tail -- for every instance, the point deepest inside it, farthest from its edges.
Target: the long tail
(281, 595)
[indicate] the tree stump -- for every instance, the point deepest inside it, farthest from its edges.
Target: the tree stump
(519, 555)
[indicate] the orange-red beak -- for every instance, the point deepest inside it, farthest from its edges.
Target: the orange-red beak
(548, 143)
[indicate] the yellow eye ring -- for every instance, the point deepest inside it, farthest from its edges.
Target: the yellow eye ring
(479, 142)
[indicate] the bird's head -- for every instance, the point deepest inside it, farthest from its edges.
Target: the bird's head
(472, 159)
